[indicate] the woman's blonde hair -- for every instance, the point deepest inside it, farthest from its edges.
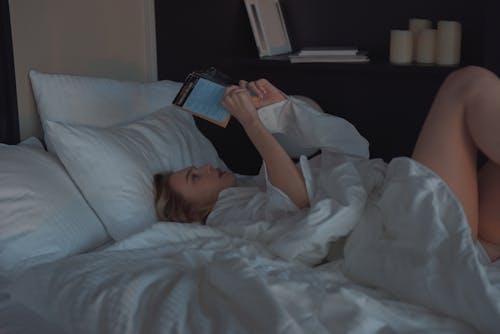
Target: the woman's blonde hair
(171, 206)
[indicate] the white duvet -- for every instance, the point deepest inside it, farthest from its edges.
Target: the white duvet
(177, 278)
(414, 241)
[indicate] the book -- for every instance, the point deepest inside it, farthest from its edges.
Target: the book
(268, 27)
(360, 58)
(328, 51)
(201, 95)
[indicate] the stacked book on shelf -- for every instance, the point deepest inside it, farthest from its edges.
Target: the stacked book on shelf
(329, 55)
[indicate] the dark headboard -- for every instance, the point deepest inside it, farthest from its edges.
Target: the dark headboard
(386, 103)
(9, 121)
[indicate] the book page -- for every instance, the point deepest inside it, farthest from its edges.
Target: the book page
(205, 99)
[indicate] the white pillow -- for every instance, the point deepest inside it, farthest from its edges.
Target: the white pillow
(114, 167)
(43, 215)
(97, 101)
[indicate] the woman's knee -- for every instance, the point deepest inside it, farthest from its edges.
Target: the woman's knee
(469, 80)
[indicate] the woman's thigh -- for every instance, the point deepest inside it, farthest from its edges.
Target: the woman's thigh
(445, 146)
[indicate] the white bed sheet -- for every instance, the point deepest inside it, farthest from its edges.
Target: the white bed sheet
(178, 278)
(16, 318)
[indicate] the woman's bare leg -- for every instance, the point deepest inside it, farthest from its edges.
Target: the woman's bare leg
(464, 118)
(489, 208)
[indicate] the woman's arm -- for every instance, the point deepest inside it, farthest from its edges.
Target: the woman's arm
(281, 170)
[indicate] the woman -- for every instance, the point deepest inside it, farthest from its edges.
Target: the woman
(464, 119)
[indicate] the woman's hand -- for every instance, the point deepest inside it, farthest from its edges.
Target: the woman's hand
(238, 102)
(264, 92)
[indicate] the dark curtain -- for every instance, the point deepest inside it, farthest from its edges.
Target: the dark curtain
(9, 121)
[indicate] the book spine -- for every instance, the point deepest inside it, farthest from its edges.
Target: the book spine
(185, 90)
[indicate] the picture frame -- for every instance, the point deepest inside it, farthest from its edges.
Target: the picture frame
(268, 27)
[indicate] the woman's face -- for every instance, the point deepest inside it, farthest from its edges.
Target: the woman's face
(201, 186)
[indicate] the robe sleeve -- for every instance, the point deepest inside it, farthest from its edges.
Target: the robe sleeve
(312, 128)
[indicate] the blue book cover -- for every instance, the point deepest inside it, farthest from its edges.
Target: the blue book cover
(201, 95)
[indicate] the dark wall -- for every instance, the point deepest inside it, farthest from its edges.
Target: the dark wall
(195, 34)
(367, 23)
(387, 103)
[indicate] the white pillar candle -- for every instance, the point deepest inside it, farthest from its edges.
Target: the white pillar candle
(426, 49)
(416, 26)
(401, 47)
(448, 42)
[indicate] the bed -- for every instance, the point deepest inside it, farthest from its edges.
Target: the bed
(81, 251)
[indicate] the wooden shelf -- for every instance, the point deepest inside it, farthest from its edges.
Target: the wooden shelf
(370, 67)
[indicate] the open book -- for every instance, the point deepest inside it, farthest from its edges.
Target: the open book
(202, 93)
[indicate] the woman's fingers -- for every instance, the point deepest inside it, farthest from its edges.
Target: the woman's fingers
(243, 83)
(256, 89)
(257, 101)
(262, 84)
(235, 91)
(235, 95)
(230, 89)
(261, 92)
